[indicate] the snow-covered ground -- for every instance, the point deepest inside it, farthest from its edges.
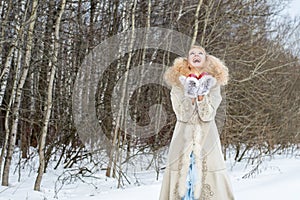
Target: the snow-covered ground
(275, 179)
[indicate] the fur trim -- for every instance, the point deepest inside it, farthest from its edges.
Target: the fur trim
(213, 66)
(198, 163)
(180, 67)
(182, 188)
(217, 69)
(185, 161)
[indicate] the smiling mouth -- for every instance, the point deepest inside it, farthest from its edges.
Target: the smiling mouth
(196, 60)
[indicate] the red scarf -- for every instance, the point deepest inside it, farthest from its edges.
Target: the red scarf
(198, 77)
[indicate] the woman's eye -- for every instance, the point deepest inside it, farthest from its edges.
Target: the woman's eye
(200, 53)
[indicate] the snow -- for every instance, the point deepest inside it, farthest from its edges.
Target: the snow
(277, 178)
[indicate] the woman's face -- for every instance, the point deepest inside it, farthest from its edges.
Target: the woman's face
(196, 57)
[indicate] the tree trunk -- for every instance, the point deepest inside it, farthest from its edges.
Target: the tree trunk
(48, 106)
(17, 103)
(16, 38)
(196, 25)
(4, 77)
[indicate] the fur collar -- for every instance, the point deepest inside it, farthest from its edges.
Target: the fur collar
(180, 67)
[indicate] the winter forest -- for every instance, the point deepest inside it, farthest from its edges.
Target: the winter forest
(69, 104)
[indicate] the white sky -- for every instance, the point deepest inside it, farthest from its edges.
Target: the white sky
(294, 8)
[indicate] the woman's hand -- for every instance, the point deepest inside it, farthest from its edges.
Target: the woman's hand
(200, 97)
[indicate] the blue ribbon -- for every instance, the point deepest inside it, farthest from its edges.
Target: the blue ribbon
(191, 179)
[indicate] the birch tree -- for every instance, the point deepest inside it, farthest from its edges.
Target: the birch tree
(196, 24)
(114, 152)
(48, 106)
(17, 102)
(16, 35)
(5, 73)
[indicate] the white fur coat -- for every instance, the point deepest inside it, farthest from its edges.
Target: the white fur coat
(196, 132)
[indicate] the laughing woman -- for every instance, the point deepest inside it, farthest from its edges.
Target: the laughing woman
(196, 169)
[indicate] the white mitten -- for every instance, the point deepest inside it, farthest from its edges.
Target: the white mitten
(191, 85)
(206, 82)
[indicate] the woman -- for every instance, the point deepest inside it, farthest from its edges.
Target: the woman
(196, 169)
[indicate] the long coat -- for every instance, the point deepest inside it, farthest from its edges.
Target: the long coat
(195, 132)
